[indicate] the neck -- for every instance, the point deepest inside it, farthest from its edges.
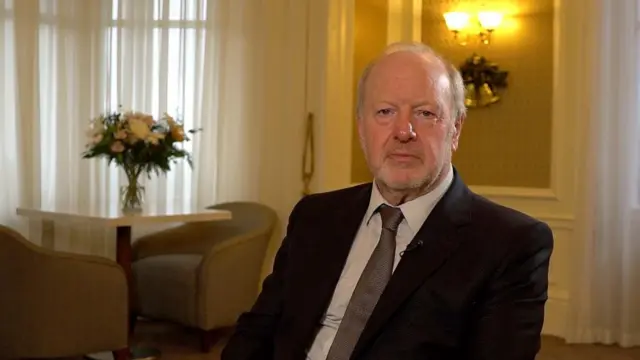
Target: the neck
(398, 197)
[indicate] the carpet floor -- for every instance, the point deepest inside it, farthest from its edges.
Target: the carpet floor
(177, 343)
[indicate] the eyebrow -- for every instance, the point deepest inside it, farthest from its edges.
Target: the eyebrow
(415, 105)
(428, 103)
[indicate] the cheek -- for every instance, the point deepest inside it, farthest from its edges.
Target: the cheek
(435, 141)
(373, 139)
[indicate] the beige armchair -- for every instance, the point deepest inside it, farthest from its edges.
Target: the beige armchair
(204, 275)
(55, 304)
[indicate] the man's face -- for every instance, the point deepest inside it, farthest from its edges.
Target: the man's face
(406, 128)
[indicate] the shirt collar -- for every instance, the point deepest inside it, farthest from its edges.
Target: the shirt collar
(415, 211)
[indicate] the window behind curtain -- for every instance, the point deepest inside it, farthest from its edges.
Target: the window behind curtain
(173, 53)
(93, 56)
(149, 58)
(66, 61)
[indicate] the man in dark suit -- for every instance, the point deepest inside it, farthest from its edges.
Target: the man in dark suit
(413, 265)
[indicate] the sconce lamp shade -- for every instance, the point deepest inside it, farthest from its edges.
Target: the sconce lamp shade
(490, 20)
(456, 21)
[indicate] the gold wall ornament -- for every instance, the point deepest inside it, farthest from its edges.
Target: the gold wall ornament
(483, 81)
(308, 157)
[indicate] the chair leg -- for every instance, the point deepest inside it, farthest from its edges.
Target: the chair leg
(133, 319)
(122, 354)
(208, 338)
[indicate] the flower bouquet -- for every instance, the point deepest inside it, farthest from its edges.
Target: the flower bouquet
(138, 144)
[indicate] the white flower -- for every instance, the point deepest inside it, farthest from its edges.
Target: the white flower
(96, 127)
(169, 119)
(96, 138)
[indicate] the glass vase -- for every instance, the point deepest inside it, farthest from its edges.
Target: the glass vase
(132, 197)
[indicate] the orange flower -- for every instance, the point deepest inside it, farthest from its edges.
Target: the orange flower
(177, 133)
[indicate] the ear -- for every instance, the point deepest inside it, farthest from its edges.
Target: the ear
(360, 125)
(457, 129)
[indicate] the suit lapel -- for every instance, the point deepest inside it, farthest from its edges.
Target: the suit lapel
(439, 237)
(331, 245)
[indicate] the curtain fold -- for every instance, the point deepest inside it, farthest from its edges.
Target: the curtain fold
(605, 278)
(67, 61)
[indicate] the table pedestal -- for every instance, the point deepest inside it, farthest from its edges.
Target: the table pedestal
(124, 256)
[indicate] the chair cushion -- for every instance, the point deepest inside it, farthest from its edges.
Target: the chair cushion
(167, 287)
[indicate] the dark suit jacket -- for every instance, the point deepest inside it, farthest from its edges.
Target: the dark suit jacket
(474, 290)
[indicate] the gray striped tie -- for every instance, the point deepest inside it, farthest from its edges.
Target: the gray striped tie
(372, 282)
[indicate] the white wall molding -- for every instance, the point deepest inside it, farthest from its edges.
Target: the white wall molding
(555, 314)
(564, 70)
(404, 20)
(405, 24)
(509, 192)
(558, 293)
(557, 221)
(559, 196)
(498, 192)
(332, 39)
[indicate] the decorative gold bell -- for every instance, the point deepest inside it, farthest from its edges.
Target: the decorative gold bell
(481, 97)
(470, 97)
(486, 96)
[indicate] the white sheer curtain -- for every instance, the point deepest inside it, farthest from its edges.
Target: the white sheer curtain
(605, 299)
(66, 61)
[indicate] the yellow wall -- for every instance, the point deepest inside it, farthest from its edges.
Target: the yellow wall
(508, 144)
(370, 40)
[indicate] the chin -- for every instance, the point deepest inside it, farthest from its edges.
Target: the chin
(400, 180)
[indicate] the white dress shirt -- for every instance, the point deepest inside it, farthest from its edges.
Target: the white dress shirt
(415, 213)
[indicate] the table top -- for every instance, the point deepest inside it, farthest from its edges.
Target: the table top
(114, 217)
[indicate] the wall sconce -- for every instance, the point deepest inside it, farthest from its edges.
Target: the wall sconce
(456, 22)
(488, 21)
(482, 81)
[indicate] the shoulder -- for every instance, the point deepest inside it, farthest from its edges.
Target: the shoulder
(310, 206)
(517, 246)
(331, 199)
(488, 211)
(515, 228)
(339, 195)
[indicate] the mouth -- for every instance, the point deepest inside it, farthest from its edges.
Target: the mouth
(403, 157)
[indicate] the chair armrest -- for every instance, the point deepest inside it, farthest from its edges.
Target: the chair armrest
(83, 297)
(191, 238)
(229, 278)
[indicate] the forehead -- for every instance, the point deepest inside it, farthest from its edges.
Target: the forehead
(407, 74)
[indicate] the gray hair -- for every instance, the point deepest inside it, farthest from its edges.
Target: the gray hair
(456, 85)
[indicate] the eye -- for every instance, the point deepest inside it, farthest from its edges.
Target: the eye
(426, 114)
(385, 112)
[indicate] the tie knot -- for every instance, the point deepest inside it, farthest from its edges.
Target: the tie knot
(391, 217)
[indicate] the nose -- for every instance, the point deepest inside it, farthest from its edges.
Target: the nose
(403, 128)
